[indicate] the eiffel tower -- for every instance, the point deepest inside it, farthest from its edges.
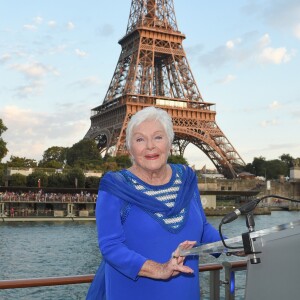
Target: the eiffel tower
(153, 70)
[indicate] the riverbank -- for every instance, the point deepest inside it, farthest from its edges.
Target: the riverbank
(219, 212)
(46, 219)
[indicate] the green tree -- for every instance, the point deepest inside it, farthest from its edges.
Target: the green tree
(21, 162)
(123, 161)
(58, 180)
(287, 159)
(3, 149)
(95, 164)
(275, 168)
(54, 157)
(35, 177)
(110, 166)
(270, 169)
(92, 182)
(108, 158)
(75, 178)
(17, 180)
(83, 152)
(259, 166)
(249, 168)
(177, 159)
(2, 174)
(51, 164)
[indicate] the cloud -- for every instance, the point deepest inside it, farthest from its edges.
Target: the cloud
(33, 27)
(105, 30)
(35, 70)
(227, 79)
(283, 15)
(237, 50)
(215, 58)
(246, 49)
(296, 30)
(283, 146)
(38, 20)
(268, 123)
(70, 26)
(87, 82)
(264, 41)
(232, 43)
(275, 55)
(38, 131)
(52, 24)
(30, 27)
(57, 49)
(33, 88)
(80, 53)
(274, 105)
(296, 114)
(269, 54)
(194, 50)
(35, 73)
(5, 58)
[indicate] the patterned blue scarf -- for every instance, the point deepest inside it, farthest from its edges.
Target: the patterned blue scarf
(115, 183)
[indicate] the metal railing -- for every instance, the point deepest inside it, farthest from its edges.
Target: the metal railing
(213, 269)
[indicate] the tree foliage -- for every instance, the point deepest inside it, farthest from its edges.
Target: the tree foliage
(276, 168)
(271, 169)
(3, 149)
(92, 182)
(177, 159)
(83, 152)
(54, 157)
(21, 162)
(17, 180)
(287, 159)
(123, 161)
(37, 176)
(75, 178)
(57, 180)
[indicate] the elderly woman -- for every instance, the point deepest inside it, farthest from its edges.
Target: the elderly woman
(145, 213)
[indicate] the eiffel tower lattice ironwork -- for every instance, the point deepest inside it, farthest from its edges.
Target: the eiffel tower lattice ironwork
(153, 70)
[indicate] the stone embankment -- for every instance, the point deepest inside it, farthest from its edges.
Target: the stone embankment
(222, 211)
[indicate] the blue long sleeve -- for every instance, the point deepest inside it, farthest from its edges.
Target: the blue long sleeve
(111, 237)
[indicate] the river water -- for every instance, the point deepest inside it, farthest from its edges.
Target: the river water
(54, 249)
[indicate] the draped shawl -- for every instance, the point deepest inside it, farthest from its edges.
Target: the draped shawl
(115, 183)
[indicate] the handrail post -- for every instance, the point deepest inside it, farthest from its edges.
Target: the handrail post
(230, 269)
(214, 279)
(229, 276)
(214, 285)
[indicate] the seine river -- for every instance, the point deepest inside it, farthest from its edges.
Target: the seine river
(54, 249)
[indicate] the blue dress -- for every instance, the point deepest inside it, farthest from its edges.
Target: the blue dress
(128, 236)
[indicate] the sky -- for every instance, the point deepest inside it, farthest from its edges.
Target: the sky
(57, 59)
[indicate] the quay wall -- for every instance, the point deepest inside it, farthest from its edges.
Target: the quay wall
(72, 203)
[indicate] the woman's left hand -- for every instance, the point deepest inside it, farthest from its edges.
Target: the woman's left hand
(171, 268)
(176, 264)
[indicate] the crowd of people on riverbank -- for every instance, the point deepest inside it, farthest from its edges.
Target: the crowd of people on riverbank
(47, 197)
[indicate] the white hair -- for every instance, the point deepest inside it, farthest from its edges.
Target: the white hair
(150, 113)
